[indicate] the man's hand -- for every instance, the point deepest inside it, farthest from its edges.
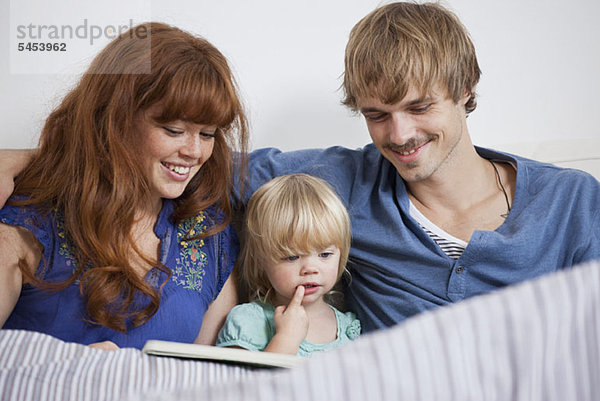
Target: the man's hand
(291, 325)
(12, 162)
(7, 186)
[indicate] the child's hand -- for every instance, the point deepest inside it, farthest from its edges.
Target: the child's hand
(291, 324)
(292, 319)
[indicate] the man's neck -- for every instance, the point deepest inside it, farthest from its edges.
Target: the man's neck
(463, 195)
(459, 183)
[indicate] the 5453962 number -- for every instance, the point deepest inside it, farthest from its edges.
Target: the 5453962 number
(42, 47)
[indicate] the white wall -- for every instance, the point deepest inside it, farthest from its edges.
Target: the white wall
(540, 62)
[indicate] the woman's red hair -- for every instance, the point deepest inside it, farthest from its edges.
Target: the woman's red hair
(86, 167)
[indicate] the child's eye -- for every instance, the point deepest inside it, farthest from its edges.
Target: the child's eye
(325, 255)
(290, 258)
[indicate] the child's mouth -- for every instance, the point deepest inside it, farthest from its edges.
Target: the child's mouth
(310, 288)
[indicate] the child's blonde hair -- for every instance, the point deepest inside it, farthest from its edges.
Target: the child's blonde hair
(291, 215)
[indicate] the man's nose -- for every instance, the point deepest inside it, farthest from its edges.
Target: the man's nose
(402, 128)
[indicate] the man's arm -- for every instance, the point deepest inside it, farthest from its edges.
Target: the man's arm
(337, 165)
(12, 162)
(17, 246)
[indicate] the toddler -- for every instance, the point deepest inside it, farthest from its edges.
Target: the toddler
(297, 239)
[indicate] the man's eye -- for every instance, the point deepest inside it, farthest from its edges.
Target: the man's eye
(376, 117)
(420, 109)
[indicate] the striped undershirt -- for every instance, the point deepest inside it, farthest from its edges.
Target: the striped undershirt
(450, 245)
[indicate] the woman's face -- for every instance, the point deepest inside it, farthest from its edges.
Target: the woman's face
(172, 153)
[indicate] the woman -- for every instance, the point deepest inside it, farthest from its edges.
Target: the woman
(117, 231)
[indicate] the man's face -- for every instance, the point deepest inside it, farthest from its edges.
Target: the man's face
(418, 134)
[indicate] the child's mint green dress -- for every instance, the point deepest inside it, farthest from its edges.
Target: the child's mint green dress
(251, 326)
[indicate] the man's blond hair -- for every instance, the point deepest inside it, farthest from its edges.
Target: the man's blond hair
(406, 44)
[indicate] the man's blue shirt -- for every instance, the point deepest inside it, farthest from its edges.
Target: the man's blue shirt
(398, 270)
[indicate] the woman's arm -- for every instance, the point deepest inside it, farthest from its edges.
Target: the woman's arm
(217, 312)
(17, 245)
(12, 162)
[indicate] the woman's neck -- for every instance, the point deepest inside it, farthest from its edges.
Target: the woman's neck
(145, 240)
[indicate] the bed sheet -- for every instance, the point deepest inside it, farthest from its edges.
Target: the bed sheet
(539, 340)
(35, 366)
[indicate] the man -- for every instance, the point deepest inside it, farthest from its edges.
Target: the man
(434, 219)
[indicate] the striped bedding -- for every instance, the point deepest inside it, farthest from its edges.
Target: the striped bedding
(34, 366)
(539, 340)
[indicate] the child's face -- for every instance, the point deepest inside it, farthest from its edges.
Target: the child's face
(316, 271)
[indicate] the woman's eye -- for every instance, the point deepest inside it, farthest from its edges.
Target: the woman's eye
(207, 135)
(173, 131)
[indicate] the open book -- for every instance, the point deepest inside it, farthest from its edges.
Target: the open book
(220, 354)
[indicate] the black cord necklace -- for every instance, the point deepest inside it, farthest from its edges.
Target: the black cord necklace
(504, 215)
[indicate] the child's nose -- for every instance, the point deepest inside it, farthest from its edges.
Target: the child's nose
(308, 267)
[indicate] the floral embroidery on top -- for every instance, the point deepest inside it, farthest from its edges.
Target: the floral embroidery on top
(65, 246)
(190, 266)
(192, 260)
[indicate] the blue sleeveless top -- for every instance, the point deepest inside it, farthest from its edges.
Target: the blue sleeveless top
(199, 268)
